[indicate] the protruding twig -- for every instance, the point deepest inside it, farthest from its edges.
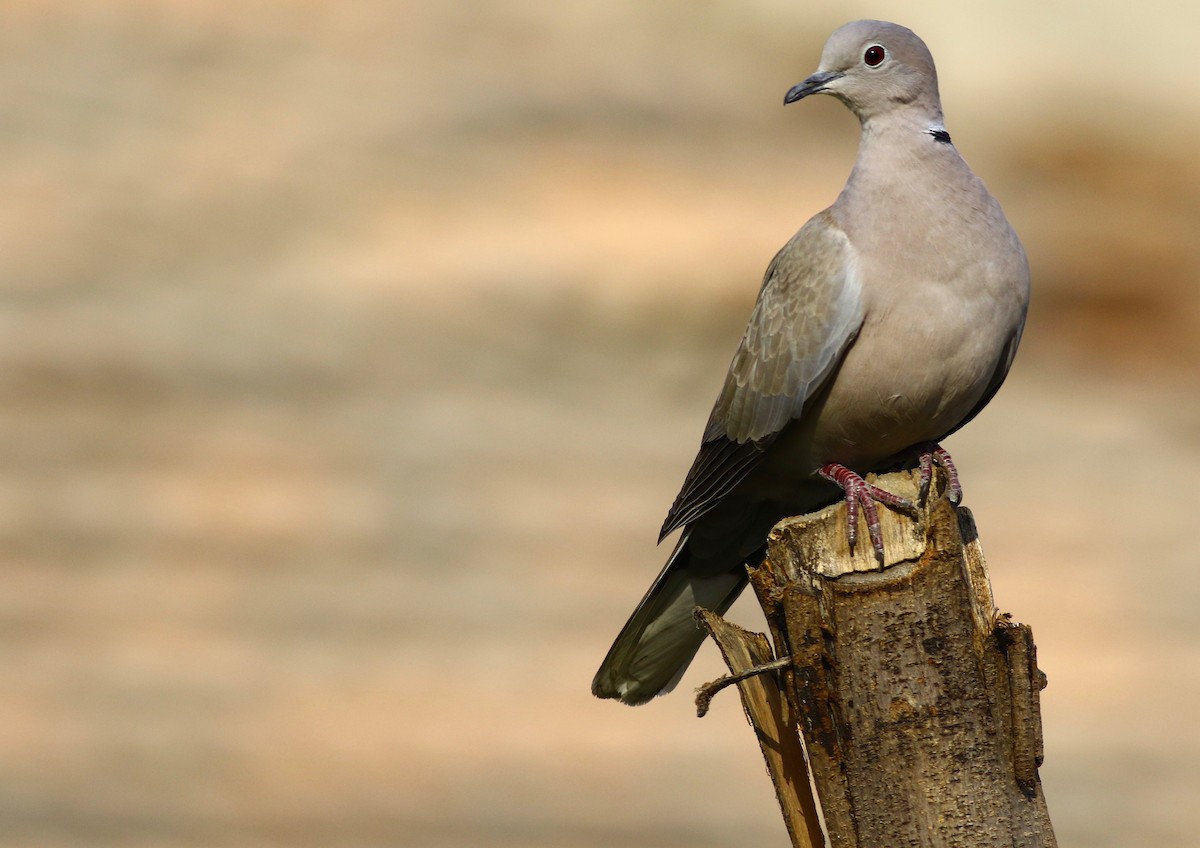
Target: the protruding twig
(705, 693)
(747, 654)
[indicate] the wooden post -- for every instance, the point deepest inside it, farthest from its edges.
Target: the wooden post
(916, 702)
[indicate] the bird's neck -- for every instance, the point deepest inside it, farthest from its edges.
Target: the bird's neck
(906, 167)
(901, 129)
(904, 152)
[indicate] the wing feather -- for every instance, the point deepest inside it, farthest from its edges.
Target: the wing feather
(809, 310)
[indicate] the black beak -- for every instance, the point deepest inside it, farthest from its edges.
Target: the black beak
(813, 85)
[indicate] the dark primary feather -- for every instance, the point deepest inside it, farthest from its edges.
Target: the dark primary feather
(720, 465)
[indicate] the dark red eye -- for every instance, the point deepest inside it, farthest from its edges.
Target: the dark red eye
(874, 55)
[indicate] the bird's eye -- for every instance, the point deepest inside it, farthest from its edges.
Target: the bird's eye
(874, 55)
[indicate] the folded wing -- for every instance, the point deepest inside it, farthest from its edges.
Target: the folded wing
(809, 310)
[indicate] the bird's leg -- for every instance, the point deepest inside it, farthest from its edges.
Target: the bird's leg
(861, 493)
(934, 454)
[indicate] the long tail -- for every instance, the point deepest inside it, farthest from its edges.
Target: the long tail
(661, 637)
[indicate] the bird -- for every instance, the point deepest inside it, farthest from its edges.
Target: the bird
(886, 323)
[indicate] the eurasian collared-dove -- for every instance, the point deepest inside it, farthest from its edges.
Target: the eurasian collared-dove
(885, 324)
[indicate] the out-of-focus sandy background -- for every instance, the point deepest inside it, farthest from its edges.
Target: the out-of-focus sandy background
(350, 355)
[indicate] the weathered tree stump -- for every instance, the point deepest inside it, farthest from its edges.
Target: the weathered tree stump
(916, 702)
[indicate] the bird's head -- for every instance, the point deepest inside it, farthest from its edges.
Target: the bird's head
(874, 67)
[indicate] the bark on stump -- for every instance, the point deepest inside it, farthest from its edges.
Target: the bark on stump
(917, 703)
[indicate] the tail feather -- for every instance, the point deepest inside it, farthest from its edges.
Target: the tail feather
(661, 637)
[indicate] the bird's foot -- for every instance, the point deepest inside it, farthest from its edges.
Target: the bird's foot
(934, 454)
(860, 493)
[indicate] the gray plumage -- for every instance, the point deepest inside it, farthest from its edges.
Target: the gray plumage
(886, 323)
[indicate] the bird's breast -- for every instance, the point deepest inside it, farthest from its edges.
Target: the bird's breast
(921, 363)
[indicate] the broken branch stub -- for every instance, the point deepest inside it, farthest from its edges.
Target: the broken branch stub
(917, 704)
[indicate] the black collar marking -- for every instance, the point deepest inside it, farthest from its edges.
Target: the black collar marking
(940, 135)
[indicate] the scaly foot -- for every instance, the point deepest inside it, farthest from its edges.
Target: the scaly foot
(860, 493)
(934, 454)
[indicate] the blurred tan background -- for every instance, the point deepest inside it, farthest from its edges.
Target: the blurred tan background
(351, 355)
